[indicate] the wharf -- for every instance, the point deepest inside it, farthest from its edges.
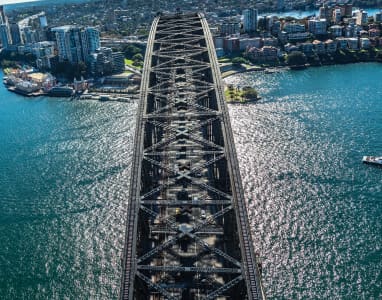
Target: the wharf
(27, 94)
(108, 97)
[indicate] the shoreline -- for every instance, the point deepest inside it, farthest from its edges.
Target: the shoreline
(275, 69)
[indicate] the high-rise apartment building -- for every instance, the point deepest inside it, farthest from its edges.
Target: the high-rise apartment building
(15, 33)
(5, 34)
(250, 20)
(317, 26)
(75, 44)
(378, 17)
(361, 17)
(3, 18)
(230, 28)
(91, 41)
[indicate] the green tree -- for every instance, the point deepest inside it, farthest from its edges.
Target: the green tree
(238, 61)
(138, 57)
(296, 58)
(130, 50)
(250, 93)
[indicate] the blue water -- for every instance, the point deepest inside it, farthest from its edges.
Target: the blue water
(15, 4)
(315, 208)
(300, 14)
(64, 174)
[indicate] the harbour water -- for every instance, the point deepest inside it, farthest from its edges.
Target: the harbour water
(64, 175)
(16, 4)
(315, 208)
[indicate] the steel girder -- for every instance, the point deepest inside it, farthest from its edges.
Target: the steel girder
(187, 234)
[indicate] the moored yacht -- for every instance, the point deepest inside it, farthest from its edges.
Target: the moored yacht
(374, 160)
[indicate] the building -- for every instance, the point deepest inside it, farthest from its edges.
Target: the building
(15, 34)
(378, 17)
(41, 49)
(290, 48)
(331, 46)
(118, 60)
(105, 62)
(246, 43)
(5, 36)
(69, 43)
(342, 43)
(250, 20)
(319, 47)
(3, 18)
(218, 41)
(307, 48)
(43, 21)
(276, 28)
(350, 31)
(91, 38)
(374, 32)
(229, 28)
(348, 9)
(280, 5)
(269, 21)
(336, 30)
(296, 37)
(361, 17)
(364, 43)
(325, 12)
(270, 42)
(293, 27)
(267, 53)
(317, 27)
(219, 52)
(231, 44)
(337, 15)
(353, 43)
(75, 44)
(101, 62)
(29, 35)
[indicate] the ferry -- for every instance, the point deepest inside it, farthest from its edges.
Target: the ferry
(373, 160)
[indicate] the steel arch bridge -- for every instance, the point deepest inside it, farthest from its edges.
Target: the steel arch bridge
(187, 229)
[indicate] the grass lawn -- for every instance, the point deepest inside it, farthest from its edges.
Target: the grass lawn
(129, 62)
(224, 60)
(233, 95)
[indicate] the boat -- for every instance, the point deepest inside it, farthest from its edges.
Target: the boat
(373, 160)
(61, 91)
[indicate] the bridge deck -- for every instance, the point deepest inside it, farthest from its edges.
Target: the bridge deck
(187, 233)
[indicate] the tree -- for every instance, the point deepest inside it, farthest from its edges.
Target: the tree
(130, 50)
(249, 93)
(138, 57)
(238, 61)
(296, 58)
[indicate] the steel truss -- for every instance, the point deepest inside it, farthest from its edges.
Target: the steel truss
(187, 234)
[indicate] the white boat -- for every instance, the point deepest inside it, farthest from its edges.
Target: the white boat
(374, 160)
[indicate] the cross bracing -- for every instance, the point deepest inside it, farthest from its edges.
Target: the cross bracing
(187, 234)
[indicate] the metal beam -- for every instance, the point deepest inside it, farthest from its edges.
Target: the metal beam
(185, 182)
